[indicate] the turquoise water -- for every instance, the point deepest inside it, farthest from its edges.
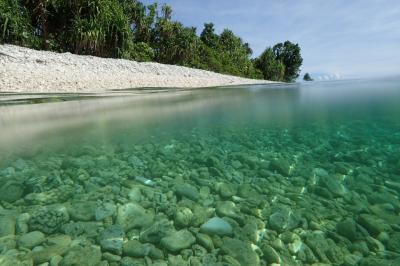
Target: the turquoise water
(302, 174)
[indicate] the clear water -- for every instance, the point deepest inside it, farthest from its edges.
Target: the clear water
(301, 174)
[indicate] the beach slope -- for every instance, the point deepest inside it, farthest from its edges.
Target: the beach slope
(24, 70)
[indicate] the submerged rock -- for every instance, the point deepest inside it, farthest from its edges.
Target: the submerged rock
(178, 240)
(49, 219)
(112, 239)
(134, 248)
(31, 239)
(240, 251)
(187, 191)
(132, 215)
(11, 190)
(85, 256)
(216, 226)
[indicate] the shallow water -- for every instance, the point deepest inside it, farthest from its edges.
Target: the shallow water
(301, 174)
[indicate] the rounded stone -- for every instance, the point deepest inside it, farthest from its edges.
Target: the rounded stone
(31, 239)
(183, 217)
(178, 240)
(216, 226)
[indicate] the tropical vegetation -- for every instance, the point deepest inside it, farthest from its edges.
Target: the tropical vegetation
(132, 30)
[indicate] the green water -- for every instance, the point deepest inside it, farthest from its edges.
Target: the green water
(303, 174)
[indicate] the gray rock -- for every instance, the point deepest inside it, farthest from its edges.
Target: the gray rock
(333, 185)
(7, 226)
(83, 256)
(22, 223)
(183, 217)
(134, 248)
(31, 239)
(178, 240)
(11, 190)
(112, 239)
(283, 219)
(82, 210)
(187, 191)
(111, 257)
(49, 219)
(270, 254)
(216, 226)
(7, 243)
(240, 251)
(132, 215)
(394, 242)
(205, 241)
(347, 228)
(88, 229)
(104, 211)
(373, 224)
(45, 254)
(156, 232)
(281, 166)
(59, 240)
(226, 190)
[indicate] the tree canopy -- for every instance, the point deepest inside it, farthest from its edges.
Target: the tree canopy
(132, 30)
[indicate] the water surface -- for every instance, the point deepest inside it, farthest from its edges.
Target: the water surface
(301, 174)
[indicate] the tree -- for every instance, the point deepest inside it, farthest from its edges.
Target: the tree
(307, 77)
(15, 26)
(289, 54)
(270, 66)
(208, 36)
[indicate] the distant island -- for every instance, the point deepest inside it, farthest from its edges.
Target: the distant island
(307, 77)
(144, 33)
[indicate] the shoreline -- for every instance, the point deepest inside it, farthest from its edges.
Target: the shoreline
(24, 70)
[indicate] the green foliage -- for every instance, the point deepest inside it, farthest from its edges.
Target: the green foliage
(270, 66)
(15, 25)
(129, 29)
(307, 77)
(289, 54)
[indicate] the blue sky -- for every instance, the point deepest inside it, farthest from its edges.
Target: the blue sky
(339, 38)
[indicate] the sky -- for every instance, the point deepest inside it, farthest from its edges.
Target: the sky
(338, 38)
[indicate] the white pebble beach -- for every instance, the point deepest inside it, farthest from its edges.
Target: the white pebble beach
(24, 70)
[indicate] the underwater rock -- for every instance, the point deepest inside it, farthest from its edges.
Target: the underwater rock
(270, 254)
(77, 255)
(373, 224)
(31, 239)
(205, 241)
(324, 248)
(112, 239)
(88, 229)
(216, 226)
(134, 248)
(11, 190)
(82, 210)
(104, 211)
(45, 254)
(49, 219)
(347, 228)
(281, 166)
(22, 223)
(59, 240)
(283, 219)
(132, 215)
(7, 225)
(240, 251)
(188, 191)
(178, 240)
(7, 243)
(156, 232)
(183, 217)
(333, 185)
(226, 190)
(394, 242)
(227, 209)
(145, 181)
